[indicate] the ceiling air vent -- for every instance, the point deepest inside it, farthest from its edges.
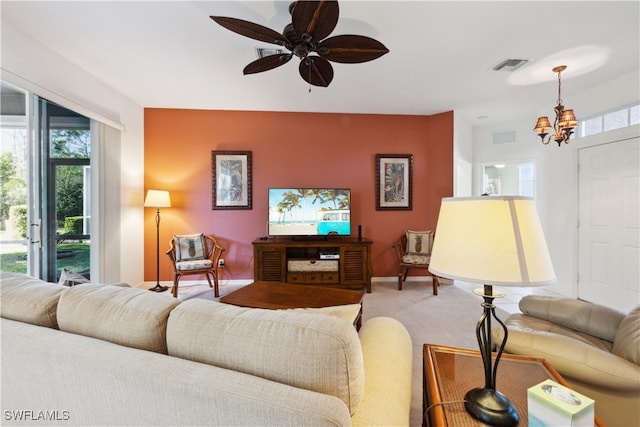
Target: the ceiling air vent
(262, 52)
(510, 64)
(504, 137)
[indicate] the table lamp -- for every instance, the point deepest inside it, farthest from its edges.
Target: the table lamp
(157, 199)
(494, 241)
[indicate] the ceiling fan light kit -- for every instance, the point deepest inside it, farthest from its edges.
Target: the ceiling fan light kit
(306, 38)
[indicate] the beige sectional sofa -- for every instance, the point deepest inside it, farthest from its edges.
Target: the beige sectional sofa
(596, 349)
(108, 355)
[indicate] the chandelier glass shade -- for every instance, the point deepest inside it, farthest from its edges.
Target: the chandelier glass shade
(564, 123)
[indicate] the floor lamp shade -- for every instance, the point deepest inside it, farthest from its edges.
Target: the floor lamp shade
(491, 240)
(157, 199)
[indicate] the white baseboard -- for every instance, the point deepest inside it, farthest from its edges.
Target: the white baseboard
(248, 281)
(195, 283)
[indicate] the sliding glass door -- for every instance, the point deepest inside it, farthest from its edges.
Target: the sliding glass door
(46, 169)
(66, 172)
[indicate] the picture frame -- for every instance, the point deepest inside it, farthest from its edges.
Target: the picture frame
(231, 180)
(394, 181)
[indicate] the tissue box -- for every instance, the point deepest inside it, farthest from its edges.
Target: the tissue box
(552, 404)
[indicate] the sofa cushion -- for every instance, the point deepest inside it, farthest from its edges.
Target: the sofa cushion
(315, 352)
(627, 341)
(127, 316)
(348, 312)
(30, 300)
(582, 316)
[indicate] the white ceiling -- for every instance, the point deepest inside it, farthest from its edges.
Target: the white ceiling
(170, 54)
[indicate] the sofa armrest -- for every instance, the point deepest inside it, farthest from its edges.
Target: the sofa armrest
(573, 358)
(388, 358)
(582, 316)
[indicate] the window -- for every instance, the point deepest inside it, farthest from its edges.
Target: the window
(604, 122)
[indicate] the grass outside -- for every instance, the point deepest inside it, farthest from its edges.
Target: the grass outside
(72, 256)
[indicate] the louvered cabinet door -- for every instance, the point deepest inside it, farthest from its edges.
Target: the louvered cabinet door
(269, 264)
(354, 266)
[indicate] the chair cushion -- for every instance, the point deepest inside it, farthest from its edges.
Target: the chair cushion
(194, 265)
(71, 278)
(189, 246)
(627, 341)
(419, 242)
(416, 259)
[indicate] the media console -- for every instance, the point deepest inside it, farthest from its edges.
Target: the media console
(342, 262)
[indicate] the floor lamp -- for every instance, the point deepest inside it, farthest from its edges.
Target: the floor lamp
(494, 241)
(157, 199)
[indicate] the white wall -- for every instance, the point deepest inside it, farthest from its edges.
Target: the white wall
(556, 171)
(462, 157)
(34, 67)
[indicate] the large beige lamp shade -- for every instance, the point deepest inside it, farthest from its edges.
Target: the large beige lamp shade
(494, 241)
(491, 240)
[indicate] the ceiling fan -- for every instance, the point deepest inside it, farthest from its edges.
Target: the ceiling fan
(305, 37)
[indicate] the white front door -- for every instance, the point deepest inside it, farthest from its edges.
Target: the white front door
(609, 224)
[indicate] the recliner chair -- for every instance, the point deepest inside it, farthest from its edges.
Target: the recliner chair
(595, 348)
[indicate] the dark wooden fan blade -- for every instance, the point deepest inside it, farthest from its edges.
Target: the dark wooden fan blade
(267, 63)
(316, 18)
(251, 30)
(316, 71)
(350, 49)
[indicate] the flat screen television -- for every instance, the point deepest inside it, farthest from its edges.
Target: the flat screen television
(309, 212)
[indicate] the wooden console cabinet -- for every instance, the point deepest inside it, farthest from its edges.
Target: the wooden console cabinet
(353, 271)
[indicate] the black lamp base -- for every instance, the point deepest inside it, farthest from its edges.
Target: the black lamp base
(491, 407)
(159, 288)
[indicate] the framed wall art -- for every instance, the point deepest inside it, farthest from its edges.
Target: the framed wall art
(394, 181)
(231, 179)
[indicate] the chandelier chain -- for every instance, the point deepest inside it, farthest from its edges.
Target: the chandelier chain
(559, 88)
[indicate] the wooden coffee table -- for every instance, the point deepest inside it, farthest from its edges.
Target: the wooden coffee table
(450, 372)
(277, 295)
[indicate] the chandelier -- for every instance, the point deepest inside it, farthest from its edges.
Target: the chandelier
(564, 123)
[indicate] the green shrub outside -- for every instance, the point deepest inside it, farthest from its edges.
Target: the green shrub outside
(18, 218)
(73, 224)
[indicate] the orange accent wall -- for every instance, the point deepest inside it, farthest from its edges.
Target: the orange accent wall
(289, 150)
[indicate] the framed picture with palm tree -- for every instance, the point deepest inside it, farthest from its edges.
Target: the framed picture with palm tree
(394, 181)
(231, 179)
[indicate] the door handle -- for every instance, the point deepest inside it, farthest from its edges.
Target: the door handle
(39, 225)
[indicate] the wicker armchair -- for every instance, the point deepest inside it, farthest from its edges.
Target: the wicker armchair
(412, 257)
(195, 254)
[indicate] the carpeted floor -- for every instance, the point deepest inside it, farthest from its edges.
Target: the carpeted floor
(447, 319)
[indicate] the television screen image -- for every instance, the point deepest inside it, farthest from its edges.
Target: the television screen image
(309, 211)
